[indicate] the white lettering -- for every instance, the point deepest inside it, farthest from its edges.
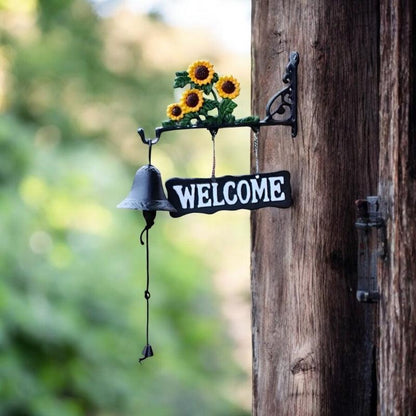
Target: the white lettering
(203, 194)
(226, 191)
(186, 197)
(229, 193)
(276, 193)
(240, 191)
(215, 202)
(259, 191)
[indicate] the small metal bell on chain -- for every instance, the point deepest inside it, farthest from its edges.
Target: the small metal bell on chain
(147, 195)
(147, 192)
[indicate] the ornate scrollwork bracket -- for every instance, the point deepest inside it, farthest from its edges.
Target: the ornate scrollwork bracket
(282, 107)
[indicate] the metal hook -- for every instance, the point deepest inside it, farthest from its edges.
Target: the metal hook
(142, 135)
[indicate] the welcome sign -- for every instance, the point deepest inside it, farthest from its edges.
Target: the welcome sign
(229, 193)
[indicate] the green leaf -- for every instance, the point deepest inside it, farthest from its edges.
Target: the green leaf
(181, 80)
(228, 118)
(187, 118)
(226, 107)
(207, 88)
(169, 123)
(209, 104)
(202, 112)
(211, 120)
(215, 78)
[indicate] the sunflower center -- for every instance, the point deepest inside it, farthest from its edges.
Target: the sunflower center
(228, 87)
(176, 111)
(192, 100)
(201, 72)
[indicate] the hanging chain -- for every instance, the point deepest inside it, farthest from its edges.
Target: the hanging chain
(256, 149)
(146, 292)
(147, 350)
(214, 162)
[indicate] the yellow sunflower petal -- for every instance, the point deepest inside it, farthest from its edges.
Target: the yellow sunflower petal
(192, 100)
(201, 72)
(175, 111)
(228, 87)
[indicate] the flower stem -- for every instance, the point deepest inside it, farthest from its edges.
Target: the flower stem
(215, 96)
(216, 100)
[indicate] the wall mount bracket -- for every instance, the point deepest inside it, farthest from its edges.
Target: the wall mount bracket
(372, 246)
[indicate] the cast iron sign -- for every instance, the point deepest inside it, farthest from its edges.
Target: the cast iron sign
(207, 102)
(229, 193)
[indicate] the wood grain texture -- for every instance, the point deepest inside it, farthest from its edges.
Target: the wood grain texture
(312, 340)
(397, 277)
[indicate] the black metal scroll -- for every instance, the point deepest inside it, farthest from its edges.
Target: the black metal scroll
(282, 107)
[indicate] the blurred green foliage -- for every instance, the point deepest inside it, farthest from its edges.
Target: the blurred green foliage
(71, 268)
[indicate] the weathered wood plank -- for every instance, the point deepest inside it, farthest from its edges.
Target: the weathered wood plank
(312, 341)
(397, 343)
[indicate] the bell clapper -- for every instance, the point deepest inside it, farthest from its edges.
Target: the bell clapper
(149, 216)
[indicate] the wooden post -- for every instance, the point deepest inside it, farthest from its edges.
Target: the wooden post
(397, 277)
(312, 340)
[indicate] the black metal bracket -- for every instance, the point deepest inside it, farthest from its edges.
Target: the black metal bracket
(281, 110)
(372, 246)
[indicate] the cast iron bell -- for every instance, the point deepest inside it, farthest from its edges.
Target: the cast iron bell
(147, 193)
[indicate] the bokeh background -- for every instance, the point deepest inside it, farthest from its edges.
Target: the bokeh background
(77, 79)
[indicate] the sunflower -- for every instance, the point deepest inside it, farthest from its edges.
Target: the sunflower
(192, 100)
(201, 72)
(175, 111)
(228, 87)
